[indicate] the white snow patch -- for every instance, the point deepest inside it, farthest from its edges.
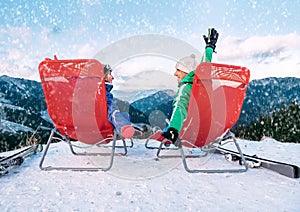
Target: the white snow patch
(10, 106)
(45, 116)
(8, 126)
(138, 182)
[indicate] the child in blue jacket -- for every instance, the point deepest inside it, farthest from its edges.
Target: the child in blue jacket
(120, 120)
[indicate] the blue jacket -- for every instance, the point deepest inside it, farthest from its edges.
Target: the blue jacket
(115, 117)
(109, 95)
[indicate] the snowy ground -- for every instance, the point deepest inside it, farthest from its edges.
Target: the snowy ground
(138, 182)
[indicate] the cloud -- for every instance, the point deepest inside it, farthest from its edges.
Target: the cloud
(21, 52)
(18, 70)
(18, 35)
(235, 48)
(145, 72)
(14, 54)
(141, 63)
(86, 50)
(23, 48)
(146, 80)
(276, 55)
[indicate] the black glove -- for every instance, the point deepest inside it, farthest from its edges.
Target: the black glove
(171, 134)
(211, 39)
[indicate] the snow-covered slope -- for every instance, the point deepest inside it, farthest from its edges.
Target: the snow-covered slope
(8, 126)
(138, 182)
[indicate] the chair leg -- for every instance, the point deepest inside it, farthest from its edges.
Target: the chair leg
(124, 143)
(149, 147)
(124, 146)
(48, 168)
(232, 136)
(160, 148)
(46, 150)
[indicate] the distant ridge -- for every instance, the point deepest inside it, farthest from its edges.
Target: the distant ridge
(22, 104)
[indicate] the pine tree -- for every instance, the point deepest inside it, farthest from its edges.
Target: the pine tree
(282, 125)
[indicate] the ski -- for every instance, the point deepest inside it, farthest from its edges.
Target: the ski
(17, 161)
(14, 160)
(3, 170)
(286, 169)
(2, 159)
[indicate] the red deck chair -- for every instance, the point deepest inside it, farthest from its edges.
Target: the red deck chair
(75, 97)
(215, 104)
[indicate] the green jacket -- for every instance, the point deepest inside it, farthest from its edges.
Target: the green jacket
(181, 101)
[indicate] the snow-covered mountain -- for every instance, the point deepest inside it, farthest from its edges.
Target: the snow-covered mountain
(23, 111)
(132, 96)
(23, 105)
(266, 95)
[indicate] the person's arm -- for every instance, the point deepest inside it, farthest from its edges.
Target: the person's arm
(180, 107)
(179, 113)
(210, 42)
(207, 56)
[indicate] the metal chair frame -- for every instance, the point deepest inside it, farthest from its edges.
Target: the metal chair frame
(71, 146)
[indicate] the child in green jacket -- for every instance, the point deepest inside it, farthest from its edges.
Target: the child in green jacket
(185, 71)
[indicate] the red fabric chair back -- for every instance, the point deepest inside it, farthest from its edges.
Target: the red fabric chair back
(75, 96)
(215, 104)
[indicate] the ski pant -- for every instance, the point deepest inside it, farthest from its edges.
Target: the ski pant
(116, 118)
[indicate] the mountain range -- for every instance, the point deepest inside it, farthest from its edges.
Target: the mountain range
(266, 95)
(23, 110)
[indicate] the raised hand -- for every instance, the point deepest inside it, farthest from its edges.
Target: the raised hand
(211, 38)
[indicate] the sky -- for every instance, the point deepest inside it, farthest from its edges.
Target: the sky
(263, 36)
